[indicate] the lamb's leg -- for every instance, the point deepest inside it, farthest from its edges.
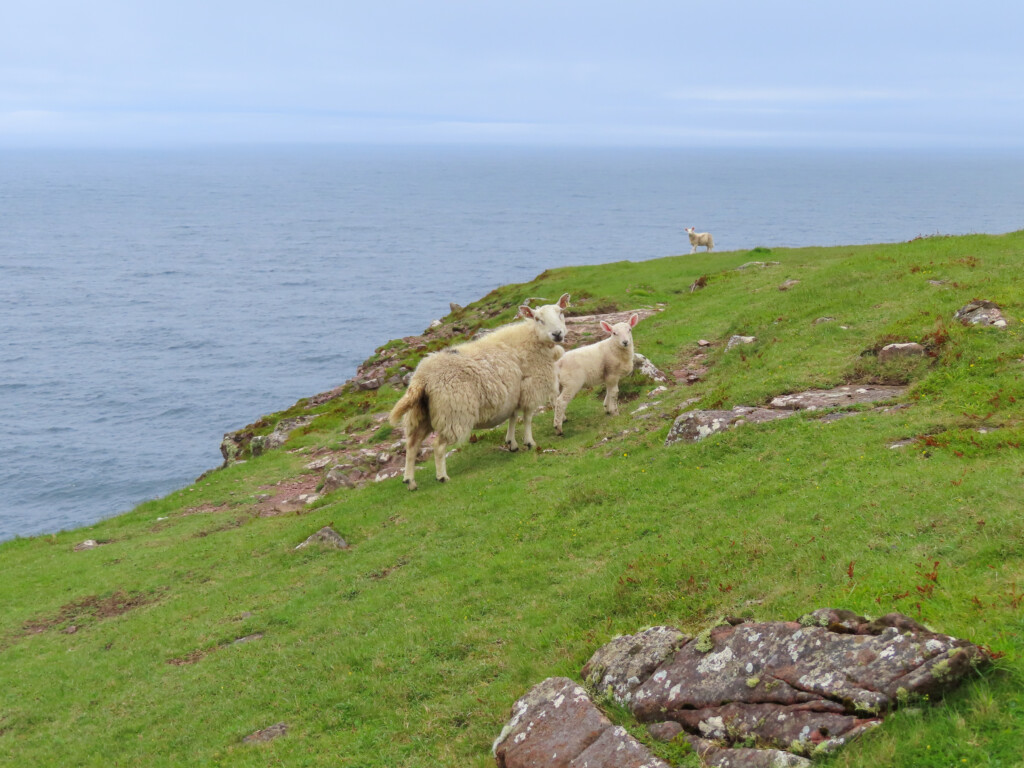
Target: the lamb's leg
(440, 460)
(611, 397)
(510, 434)
(562, 403)
(693, 249)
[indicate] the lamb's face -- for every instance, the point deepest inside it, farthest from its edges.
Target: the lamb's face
(549, 320)
(622, 333)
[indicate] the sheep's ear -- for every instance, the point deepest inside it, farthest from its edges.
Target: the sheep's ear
(525, 311)
(564, 301)
(633, 320)
(606, 327)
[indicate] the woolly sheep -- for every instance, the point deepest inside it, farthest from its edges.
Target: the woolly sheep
(700, 238)
(604, 362)
(480, 384)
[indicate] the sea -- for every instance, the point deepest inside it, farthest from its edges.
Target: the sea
(153, 300)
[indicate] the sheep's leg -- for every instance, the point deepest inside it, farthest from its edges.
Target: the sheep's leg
(440, 460)
(510, 434)
(413, 440)
(611, 397)
(693, 249)
(528, 430)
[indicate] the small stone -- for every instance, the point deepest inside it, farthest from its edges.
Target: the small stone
(320, 463)
(341, 476)
(895, 351)
(87, 544)
(267, 734)
(703, 343)
(788, 284)
(735, 341)
(327, 537)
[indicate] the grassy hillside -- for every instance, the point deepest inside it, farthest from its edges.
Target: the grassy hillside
(409, 648)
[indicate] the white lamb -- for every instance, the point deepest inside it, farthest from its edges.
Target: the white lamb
(700, 238)
(604, 362)
(480, 384)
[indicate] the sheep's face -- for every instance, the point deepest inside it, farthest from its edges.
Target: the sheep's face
(622, 333)
(549, 320)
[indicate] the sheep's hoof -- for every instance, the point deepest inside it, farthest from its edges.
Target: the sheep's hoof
(530, 446)
(412, 484)
(443, 479)
(512, 447)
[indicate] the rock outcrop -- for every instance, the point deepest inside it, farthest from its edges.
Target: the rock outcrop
(742, 693)
(693, 426)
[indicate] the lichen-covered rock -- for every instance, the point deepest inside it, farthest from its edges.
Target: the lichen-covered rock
(714, 755)
(980, 312)
(262, 443)
(327, 537)
(737, 340)
(693, 426)
(645, 367)
(848, 394)
(557, 725)
(624, 663)
(795, 689)
(809, 685)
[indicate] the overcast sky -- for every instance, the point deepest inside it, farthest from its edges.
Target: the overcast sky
(663, 72)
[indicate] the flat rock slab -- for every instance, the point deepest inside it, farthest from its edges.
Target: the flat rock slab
(848, 394)
(557, 725)
(693, 426)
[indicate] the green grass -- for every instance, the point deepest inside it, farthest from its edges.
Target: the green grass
(410, 648)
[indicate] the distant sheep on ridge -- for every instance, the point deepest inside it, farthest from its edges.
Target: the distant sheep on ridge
(700, 238)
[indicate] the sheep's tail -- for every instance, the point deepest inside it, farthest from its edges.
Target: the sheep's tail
(412, 406)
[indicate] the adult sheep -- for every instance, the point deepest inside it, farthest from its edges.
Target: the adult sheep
(480, 384)
(602, 363)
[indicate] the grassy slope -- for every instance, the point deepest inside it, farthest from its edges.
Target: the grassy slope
(409, 649)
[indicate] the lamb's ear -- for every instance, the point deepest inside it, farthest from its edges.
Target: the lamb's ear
(633, 320)
(606, 327)
(525, 311)
(564, 301)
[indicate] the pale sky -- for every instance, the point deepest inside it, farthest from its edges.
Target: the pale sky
(815, 73)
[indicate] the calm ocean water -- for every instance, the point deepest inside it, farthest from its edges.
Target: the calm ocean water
(152, 301)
